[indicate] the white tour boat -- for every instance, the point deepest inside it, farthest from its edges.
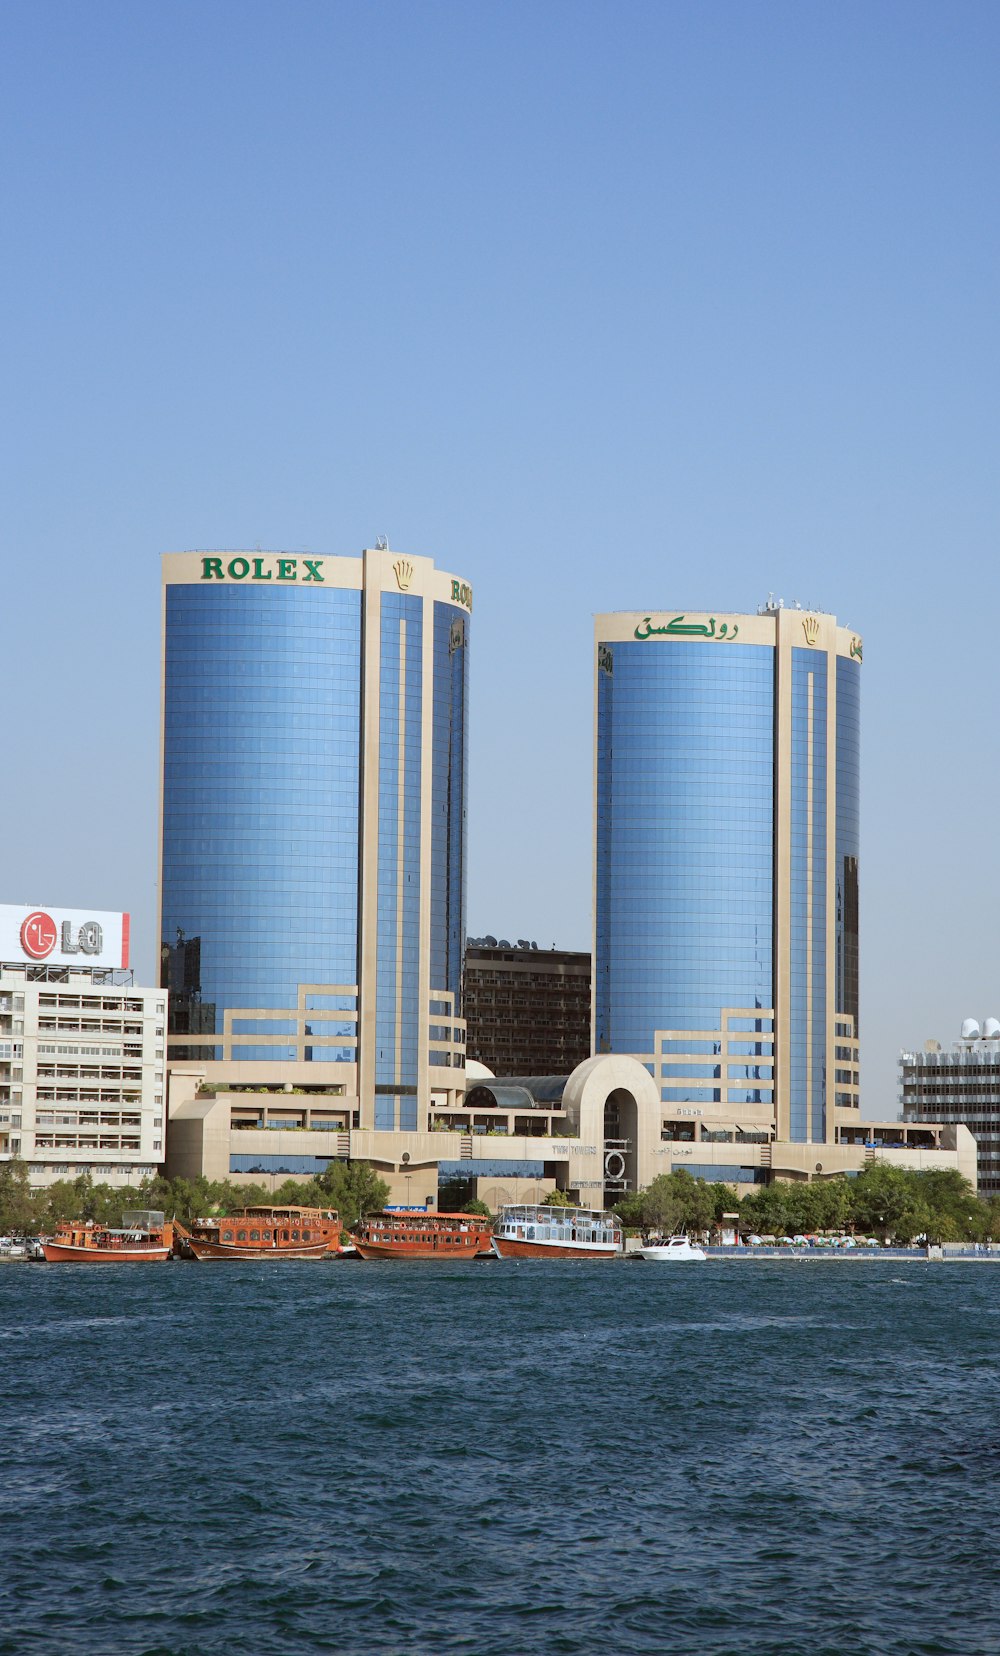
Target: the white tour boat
(556, 1233)
(672, 1248)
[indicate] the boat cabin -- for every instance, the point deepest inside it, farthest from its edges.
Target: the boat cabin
(422, 1234)
(272, 1226)
(559, 1225)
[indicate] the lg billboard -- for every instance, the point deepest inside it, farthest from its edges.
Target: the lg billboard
(63, 937)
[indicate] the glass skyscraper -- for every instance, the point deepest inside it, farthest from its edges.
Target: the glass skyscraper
(726, 902)
(312, 892)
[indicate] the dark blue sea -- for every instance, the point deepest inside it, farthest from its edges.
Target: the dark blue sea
(762, 1458)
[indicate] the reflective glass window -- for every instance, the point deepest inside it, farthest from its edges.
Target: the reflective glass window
(260, 803)
(397, 1010)
(685, 785)
(448, 801)
(807, 979)
(848, 831)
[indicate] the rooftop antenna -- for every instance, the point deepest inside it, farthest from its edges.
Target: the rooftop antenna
(381, 543)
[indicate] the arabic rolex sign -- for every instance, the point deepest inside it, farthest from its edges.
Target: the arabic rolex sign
(681, 627)
(63, 937)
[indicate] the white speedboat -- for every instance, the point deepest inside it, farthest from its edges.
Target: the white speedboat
(671, 1249)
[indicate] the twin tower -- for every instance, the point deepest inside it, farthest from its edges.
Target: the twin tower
(313, 874)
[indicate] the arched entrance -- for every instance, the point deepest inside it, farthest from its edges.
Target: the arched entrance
(621, 1133)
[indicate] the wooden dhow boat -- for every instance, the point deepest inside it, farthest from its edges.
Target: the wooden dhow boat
(422, 1234)
(145, 1237)
(263, 1233)
(556, 1233)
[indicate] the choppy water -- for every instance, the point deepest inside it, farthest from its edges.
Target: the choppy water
(755, 1459)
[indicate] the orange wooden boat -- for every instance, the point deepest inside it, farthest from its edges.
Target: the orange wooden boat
(144, 1237)
(263, 1233)
(423, 1235)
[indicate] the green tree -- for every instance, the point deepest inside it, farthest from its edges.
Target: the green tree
(884, 1202)
(188, 1199)
(675, 1201)
(558, 1198)
(765, 1211)
(724, 1200)
(353, 1188)
(227, 1197)
(299, 1193)
(19, 1207)
(629, 1210)
(698, 1198)
(952, 1202)
(474, 1205)
(88, 1198)
(662, 1205)
(832, 1204)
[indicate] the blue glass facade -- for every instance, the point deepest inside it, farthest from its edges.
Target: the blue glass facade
(808, 1005)
(261, 780)
(698, 740)
(397, 1000)
(848, 832)
(448, 797)
(297, 1167)
(726, 1173)
(685, 837)
(299, 713)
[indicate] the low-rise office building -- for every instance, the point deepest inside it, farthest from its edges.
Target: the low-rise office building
(81, 1049)
(960, 1084)
(596, 1134)
(527, 1010)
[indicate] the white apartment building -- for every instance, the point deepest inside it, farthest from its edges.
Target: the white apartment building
(81, 1049)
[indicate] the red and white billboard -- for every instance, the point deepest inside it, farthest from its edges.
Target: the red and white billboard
(63, 937)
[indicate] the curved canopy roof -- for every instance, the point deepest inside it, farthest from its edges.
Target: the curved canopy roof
(521, 1092)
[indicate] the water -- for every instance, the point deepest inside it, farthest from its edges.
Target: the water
(752, 1459)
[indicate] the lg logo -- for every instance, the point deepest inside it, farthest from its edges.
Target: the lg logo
(40, 934)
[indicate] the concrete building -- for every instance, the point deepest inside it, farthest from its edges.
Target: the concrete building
(726, 837)
(527, 1010)
(596, 1134)
(960, 1084)
(312, 894)
(81, 1049)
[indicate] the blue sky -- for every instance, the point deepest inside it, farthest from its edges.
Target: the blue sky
(601, 306)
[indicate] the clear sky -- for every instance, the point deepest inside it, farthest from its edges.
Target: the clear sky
(603, 306)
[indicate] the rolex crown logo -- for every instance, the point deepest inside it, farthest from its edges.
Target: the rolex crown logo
(810, 627)
(403, 572)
